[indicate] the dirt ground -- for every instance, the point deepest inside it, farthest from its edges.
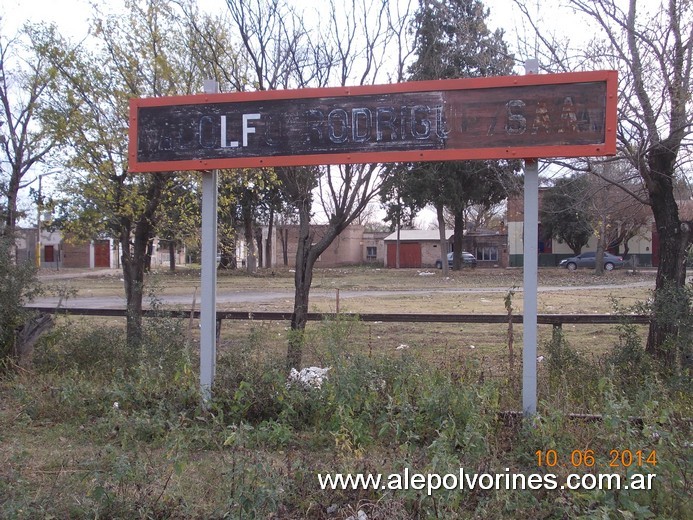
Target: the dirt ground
(371, 290)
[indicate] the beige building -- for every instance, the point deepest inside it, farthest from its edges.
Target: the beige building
(352, 246)
(642, 249)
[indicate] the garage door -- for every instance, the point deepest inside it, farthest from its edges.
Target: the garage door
(409, 254)
(102, 253)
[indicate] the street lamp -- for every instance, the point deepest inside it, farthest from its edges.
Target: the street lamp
(39, 207)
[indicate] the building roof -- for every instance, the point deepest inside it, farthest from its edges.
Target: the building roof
(485, 232)
(418, 235)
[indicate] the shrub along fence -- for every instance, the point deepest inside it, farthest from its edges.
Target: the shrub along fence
(556, 320)
(511, 416)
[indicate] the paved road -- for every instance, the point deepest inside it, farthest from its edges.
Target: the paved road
(260, 297)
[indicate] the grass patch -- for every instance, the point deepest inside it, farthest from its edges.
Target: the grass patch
(325, 280)
(97, 430)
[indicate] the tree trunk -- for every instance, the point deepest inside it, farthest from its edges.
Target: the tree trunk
(443, 242)
(599, 254)
(673, 248)
(269, 245)
(250, 262)
(305, 261)
(299, 318)
(284, 236)
(29, 334)
(172, 255)
(11, 217)
(399, 230)
(399, 234)
(149, 252)
(134, 261)
(134, 257)
(457, 240)
(12, 193)
(259, 248)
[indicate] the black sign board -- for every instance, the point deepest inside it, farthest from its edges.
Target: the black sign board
(562, 115)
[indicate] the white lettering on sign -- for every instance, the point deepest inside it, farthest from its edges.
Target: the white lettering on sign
(331, 127)
(516, 122)
(204, 130)
(248, 129)
(224, 144)
(364, 124)
(223, 137)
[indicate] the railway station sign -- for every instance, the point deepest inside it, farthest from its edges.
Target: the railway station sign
(509, 117)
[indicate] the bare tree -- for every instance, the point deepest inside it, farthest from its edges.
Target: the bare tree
(652, 48)
(369, 217)
(24, 77)
(349, 44)
(484, 215)
(616, 215)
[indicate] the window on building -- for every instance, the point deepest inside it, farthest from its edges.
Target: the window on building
(489, 253)
(371, 253)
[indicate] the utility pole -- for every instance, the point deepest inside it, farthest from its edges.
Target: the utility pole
(39, 209)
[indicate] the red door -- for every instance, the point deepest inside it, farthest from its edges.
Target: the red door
(48, 254)
(409, 254)
(102, 253)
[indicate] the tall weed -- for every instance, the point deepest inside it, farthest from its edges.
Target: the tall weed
(567, 377)
(144, 447)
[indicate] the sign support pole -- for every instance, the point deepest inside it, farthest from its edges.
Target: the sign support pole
(529, 311)
(530, 269)
(208, 301)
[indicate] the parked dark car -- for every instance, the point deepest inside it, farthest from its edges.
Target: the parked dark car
(589, 261)
(468, 260)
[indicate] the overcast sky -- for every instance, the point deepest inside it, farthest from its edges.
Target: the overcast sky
(72, 15)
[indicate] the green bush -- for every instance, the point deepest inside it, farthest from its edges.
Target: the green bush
(18, 286)
(144, 447)
(568, 377)
(672, 308)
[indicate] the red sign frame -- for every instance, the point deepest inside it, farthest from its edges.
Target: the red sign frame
(535, 116)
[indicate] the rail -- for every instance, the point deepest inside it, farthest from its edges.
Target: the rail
(557, 320)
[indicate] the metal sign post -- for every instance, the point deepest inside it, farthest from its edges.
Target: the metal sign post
(208, 302)
(529, 293)
(529, 274)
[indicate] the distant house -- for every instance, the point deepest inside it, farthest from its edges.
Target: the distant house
(58, 251)
(489, 246)
(374, 247)
(421, 248)
(348, 248)
(643, 249)
(417, 248)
